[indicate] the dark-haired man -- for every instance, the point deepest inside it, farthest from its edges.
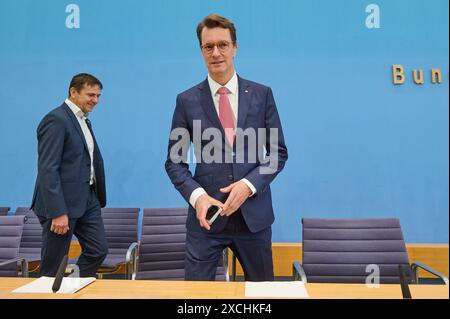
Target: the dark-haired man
(227, 173)
(70, 184)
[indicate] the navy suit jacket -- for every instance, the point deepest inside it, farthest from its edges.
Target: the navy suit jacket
(64, 166)
(256, 109)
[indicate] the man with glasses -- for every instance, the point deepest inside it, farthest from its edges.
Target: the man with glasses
(226, 104)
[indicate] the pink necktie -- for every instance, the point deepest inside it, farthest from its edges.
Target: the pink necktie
(226, 114)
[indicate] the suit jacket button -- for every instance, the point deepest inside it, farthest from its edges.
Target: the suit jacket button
(230, 177)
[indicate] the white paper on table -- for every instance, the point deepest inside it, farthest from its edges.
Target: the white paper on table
(279, 289)
(44, 284)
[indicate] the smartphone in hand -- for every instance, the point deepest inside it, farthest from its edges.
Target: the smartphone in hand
(212, 214)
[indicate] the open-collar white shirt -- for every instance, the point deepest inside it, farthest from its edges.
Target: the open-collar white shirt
(81, 117)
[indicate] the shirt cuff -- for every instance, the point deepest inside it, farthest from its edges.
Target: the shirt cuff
(195, 195)
(250, 185)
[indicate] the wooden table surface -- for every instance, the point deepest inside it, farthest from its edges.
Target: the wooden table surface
(138, 289)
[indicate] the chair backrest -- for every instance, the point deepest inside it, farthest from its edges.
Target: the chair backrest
(162, 247)
(11, 228)
(31, 243)
(340, 250)
(120, 229)
(4, 211)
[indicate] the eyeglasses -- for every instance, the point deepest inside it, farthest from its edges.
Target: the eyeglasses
(223, 47)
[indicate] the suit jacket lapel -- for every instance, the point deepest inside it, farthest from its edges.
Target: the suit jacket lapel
(75, 124)
(97, 154)
(243, 101)
(208, 106)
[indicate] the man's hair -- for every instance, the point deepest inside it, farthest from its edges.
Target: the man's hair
(216, 21)
(79, 80)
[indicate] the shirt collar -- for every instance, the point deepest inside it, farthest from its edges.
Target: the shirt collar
(76, 110)
(231, 85)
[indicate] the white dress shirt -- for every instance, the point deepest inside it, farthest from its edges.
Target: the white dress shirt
(233, 97)
(81, 117)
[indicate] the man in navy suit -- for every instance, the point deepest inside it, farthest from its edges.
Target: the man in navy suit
(229, 120)
(70, 184)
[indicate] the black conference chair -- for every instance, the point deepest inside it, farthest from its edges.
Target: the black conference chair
(11, 228)
(4, 211)
(162, 247)
(31, 243)
(348, 251)
(121, 234)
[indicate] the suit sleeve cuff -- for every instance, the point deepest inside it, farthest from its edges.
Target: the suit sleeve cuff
(195, 195)
(250, 185)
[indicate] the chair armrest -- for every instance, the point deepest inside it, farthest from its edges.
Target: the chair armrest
(23, 264)
(233, 267)
(415, 271)
(297, 272)
(131, 261)
(225, 263)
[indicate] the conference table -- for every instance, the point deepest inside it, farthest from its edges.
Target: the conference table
(149, 289)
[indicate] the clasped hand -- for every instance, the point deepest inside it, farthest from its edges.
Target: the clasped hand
(239, 192)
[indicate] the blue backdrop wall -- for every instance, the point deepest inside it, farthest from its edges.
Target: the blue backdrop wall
(359, 145)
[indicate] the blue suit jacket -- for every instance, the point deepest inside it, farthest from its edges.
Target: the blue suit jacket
(256, 109)
(64, 165)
